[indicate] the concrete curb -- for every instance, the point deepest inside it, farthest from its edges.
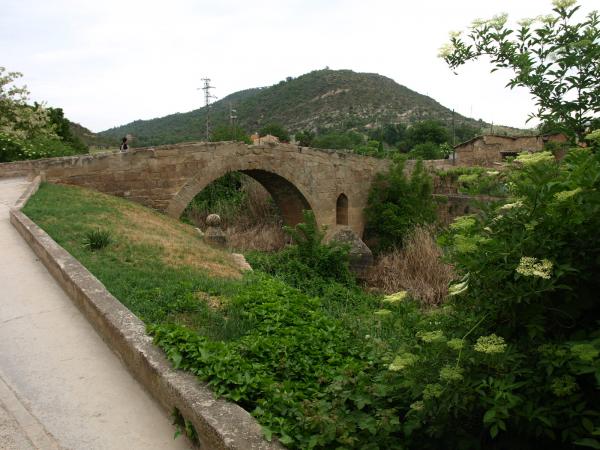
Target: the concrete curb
(220, 424)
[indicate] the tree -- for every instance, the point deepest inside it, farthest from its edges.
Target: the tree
(555, 58)
(228, 133)
(426, 131)
(305, 138)
(275, 129)
(342, 141)
(397, 203)
(428, 150)
(18, 119)
(30, 131)
(62, 127)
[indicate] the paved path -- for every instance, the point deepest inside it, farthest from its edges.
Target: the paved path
(60, 385)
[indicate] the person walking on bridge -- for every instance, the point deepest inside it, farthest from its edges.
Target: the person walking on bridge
(124, 147)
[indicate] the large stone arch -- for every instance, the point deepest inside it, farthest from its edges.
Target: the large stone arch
(289, 197)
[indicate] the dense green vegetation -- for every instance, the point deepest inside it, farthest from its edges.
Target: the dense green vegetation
(31, 131)
(476, 180)
(511, 360)
(397, 203)
(229, 133)
(319, 102)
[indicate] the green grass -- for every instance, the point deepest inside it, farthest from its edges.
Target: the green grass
(133, 268)
(302, 359)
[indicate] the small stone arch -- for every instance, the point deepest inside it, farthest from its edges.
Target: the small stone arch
(341, 210)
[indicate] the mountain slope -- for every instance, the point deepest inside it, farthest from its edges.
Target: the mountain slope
(322, 99)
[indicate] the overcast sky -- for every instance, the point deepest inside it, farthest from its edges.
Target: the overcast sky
(110, 62)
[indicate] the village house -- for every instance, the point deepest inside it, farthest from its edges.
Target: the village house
(268, 139)
(489, 149)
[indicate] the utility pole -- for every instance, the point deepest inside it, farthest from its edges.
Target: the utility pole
(453, 139)
(232, 119)
(207, 97)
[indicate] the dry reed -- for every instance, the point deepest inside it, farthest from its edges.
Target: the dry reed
(255, 225)
(417, 267)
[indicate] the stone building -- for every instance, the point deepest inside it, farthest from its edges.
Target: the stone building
(261, 140)
(489, 149)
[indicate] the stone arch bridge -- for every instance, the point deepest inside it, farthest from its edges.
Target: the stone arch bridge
(334, 184)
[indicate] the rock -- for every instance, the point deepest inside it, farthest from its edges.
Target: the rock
(214, 235)
(240, 260)
(361, 257)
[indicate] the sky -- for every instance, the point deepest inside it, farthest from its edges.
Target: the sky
(109, 62)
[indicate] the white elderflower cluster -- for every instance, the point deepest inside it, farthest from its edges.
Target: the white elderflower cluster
(526, 22)
(395, 298)
(534, 158)
(456, 344)
(509, 206)
(446, 50)
(431, 336)
(451, 373)
(533, 267)
(563, 4)
(402, 361)
(498, 21)
(490, 345)
(565, 195)
(432, 391)
(417, 406)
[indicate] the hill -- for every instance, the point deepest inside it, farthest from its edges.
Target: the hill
(88, 137)
(319, 100)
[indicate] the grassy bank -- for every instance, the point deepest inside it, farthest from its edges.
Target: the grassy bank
(274, 348)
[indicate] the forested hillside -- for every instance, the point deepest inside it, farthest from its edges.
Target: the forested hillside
(319, 101)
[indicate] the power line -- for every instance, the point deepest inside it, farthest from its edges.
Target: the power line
(207, 97)
(232, 117)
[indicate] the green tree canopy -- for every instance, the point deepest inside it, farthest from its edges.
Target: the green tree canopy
(556, 58)
(31, 131)
(275, 129)
(426, 131)
(398, 202)
(338, 141)
(229, 133)
(18, 119)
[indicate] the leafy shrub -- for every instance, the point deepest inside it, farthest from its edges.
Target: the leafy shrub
(308, 258)
(283, 369)
(397, 203)
(530, 286)
(16, 149)
(476, 180)
(97, 239)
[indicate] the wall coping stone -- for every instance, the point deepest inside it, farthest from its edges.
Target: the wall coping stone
(220, 424)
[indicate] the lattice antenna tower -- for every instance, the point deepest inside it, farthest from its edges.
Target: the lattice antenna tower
(207, 98)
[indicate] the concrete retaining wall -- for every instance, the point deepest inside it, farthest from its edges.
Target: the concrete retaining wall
(220, 424)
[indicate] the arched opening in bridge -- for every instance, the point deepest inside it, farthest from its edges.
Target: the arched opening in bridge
(341, 210)
(253, 205)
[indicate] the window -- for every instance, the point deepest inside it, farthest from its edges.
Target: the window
(341, 210)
